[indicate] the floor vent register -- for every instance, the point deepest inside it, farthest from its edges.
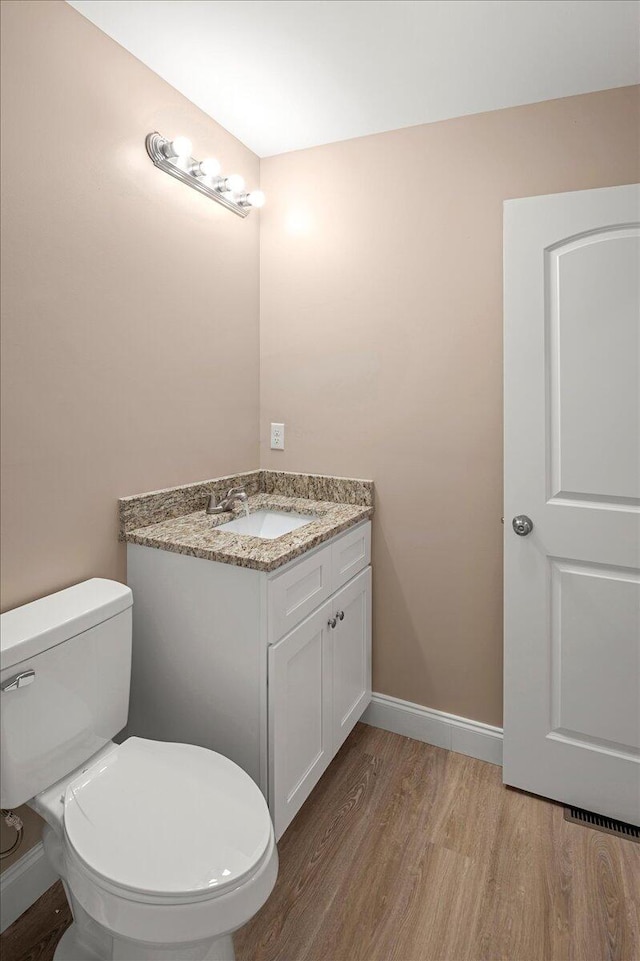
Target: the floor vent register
(601, 823)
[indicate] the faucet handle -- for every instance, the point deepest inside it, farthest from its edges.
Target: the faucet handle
(213, 503)
(236, 490)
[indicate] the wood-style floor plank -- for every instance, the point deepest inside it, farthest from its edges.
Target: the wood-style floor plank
(406, 852)
(525, 909)
(607, 896)
(407, 786)
(35, 934)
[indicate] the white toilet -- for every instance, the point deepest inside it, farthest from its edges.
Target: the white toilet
(164, 849)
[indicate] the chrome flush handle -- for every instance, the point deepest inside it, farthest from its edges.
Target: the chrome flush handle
(18, 680)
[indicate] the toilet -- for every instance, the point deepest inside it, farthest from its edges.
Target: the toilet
(164, 849)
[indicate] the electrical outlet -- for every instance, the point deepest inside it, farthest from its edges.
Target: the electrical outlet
(277, 437)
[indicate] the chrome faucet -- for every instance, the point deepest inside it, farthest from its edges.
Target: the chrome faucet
(235, 494)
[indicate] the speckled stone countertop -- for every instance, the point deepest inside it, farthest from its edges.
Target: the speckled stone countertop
(168, 521)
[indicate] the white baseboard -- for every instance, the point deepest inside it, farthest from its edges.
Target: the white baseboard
(22, 884)
(435, 727)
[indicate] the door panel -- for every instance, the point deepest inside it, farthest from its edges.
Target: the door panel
(300, 735)
(572, 464)
(351, 640)
(593, 286)
(587, 676)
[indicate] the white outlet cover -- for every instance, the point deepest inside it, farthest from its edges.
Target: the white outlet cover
(277, 437)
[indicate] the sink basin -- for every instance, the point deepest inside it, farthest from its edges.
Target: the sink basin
(267, 524)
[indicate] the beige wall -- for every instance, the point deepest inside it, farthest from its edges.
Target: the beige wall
(381, 343)
(130, 303)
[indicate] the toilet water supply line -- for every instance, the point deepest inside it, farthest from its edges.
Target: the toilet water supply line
(13, 821)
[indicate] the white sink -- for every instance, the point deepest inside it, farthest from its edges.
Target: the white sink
(267, 524)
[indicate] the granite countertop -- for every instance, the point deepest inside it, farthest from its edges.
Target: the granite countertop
(166, 519)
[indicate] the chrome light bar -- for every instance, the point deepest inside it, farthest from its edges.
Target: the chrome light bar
(174, 157)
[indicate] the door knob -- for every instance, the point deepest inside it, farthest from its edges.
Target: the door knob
(332, 622)
(522, 525)
(340, 615)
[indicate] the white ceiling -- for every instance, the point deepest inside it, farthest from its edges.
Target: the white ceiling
(286, 74)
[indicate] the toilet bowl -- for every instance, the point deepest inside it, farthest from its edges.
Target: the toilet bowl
(164, 849)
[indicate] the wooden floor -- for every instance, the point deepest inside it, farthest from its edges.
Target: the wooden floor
(35, 935)
(406, 852)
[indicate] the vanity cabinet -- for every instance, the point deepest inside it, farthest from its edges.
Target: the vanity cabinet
(271, 669)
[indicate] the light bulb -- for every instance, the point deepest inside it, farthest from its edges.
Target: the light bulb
(233, 183)
(256, 198)
(208, 168)
(180, 147)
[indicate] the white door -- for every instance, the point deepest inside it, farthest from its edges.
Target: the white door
(351, 610)
(572, 465)
(300, 722)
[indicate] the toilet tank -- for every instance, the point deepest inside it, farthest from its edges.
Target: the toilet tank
(65, 668)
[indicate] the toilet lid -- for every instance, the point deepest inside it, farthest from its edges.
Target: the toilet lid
(167, 819)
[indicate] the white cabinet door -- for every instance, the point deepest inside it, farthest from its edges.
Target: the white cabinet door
(351, 641)
(572, 463)
(300, 697)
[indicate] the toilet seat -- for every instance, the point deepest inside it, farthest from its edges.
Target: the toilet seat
(158, 822)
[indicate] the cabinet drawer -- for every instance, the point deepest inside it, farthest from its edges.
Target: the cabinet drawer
(350, 553)
(297, 592)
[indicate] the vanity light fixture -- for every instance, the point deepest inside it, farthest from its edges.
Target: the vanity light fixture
(174, 157)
